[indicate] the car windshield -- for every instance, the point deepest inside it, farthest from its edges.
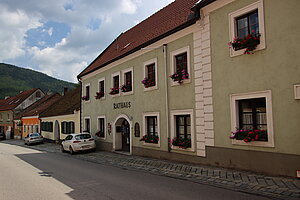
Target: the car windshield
(34, 135)
(82, 136)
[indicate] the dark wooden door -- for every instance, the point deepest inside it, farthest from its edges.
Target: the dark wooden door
(125, 136)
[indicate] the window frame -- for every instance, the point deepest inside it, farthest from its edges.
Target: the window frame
(123, 80)
(98, 126)
(234, 108)
(85, 92)
(233, 27)
(151, 114)
(145, 64)
(85, 124)
(173, 55)
(175, 113)
(104, 91)
(112, 83)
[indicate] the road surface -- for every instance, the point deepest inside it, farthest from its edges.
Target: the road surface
(31, 174)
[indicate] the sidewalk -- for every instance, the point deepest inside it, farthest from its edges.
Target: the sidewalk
(247, 182)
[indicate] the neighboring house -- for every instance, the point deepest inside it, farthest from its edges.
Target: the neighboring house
(30, 117)
(62, 118)
(170, 88)
(12, 106)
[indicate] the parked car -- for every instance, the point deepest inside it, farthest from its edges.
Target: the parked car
(78, 142)
(33, 138)
(2, 136)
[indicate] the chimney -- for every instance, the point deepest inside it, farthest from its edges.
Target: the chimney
(65, 90)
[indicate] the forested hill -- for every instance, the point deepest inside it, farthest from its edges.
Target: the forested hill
(14, 79)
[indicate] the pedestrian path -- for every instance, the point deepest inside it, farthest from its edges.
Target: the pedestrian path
(243, 181)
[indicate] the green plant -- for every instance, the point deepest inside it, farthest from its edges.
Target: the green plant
(249, 135)
(249, 43)
(150, 139)
(183, 143)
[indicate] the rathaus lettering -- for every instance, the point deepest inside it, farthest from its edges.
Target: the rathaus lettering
(122, 105)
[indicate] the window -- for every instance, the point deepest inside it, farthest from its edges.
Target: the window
(150, 74)
(1, 117)
(151, 123)
(127, 84)
(151, 129)
(182, 130)
(253, 111)
(180, 66)
(247, 20)
(181, 62)
(87, 125)
(252, 114)
(115, 83)
(47, 126)
(8, 117)
(38, 94)
(183, 126)
(101, 89)
(101, 127)
(67, 127)
(69, 137)
(87, 92)
(24, 128)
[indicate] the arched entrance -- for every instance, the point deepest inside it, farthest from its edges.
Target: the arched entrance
(122, 134)
(56, 132)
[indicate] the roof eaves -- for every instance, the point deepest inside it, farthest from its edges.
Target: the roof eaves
(202, 4)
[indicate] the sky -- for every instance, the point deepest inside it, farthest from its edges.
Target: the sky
(62, 37)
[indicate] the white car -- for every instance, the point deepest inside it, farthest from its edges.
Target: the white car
(78, 142)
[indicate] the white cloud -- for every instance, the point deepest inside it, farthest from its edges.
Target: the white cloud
(73, 53)
(13, 28)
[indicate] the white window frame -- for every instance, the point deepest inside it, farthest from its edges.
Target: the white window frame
(90, 124)
(235, 116)
(151, 114)
(123, 80)
(173, 128)
(99, 80)
(145, 64)
(8, 117)
(112, 83)
(297, 91)
(232, 25)
(172, 59)
(84, 92)
(98, 126)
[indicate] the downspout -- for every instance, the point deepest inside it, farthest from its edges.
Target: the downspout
(80, 112)
(167, 95)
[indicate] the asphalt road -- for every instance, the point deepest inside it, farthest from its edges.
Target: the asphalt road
(30, 174)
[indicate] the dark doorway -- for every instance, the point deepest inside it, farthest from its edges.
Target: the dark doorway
(125, 130)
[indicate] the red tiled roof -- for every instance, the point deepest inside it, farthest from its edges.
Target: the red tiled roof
(66, 104)
(40, 106)
(13, 102)
(172, 18)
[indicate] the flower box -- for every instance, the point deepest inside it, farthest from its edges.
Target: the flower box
(99, 95)
(148, 83)
(250, 135)
(85, 98)
(114, 91)
(150, 139)
(181, 142)
(126, 88)
(180, 76)
(249, 43)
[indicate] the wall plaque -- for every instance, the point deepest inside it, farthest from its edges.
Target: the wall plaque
(122, 105)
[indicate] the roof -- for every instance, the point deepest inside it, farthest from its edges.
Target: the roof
(12, 102)
(168, 20)
(66, 105)
(40, 106)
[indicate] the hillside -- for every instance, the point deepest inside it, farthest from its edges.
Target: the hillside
(14, 79)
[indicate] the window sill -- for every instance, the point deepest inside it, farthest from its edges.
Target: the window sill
(234, 53)
(127, 93)
(150, 88)
(89, 101)
(181, 149)
(175, 83)
(252, 143)
(115, 95)
(102, 98)
(151, 144)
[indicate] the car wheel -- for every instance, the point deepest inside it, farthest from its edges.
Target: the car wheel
(71, 151)
(62, 149)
